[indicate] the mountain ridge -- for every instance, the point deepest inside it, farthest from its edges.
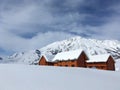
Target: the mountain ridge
(91, 46)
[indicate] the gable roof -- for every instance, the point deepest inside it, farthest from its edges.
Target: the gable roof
(43, 57)
(99, 58)
(68, 55)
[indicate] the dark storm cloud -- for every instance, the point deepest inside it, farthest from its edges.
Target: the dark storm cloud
(62, 14)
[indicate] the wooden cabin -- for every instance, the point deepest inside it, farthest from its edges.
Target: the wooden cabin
(76, 58)
(44, 61)
(104, 62)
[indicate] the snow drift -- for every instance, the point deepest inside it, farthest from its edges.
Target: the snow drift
(30, 77)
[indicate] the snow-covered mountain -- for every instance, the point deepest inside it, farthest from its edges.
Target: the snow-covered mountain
(91, 46)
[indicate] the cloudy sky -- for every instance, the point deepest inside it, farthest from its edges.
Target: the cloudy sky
(32, 24)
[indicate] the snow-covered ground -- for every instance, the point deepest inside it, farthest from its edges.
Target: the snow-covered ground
(117, 65)
(30, 77)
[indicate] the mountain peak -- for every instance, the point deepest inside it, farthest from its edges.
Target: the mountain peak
(91, 46)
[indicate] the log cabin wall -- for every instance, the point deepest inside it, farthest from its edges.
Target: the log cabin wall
(43, 61)
(110, 64)
(97, 65)
(68, 63)
(81, 62)
(50, 63)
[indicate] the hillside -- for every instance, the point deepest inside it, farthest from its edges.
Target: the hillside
(30, 77)
(91, 46)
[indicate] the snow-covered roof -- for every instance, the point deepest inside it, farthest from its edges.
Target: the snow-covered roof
(99, 58)
(68, 55)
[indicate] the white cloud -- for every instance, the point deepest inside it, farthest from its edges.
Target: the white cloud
(109, 30)
(43, 39)
(74, 3)
(20, 19)
(12, 42)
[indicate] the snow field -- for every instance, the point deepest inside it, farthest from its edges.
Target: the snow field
(30, 77)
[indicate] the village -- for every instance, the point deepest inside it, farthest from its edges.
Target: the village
(79, 58)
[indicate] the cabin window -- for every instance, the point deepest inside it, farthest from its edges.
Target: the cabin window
(66, 65)
(73, 65)
(72, 60)
(102, 67)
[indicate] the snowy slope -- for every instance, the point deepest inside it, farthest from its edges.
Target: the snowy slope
(30, 77)
(23, 57)
(91, 46)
